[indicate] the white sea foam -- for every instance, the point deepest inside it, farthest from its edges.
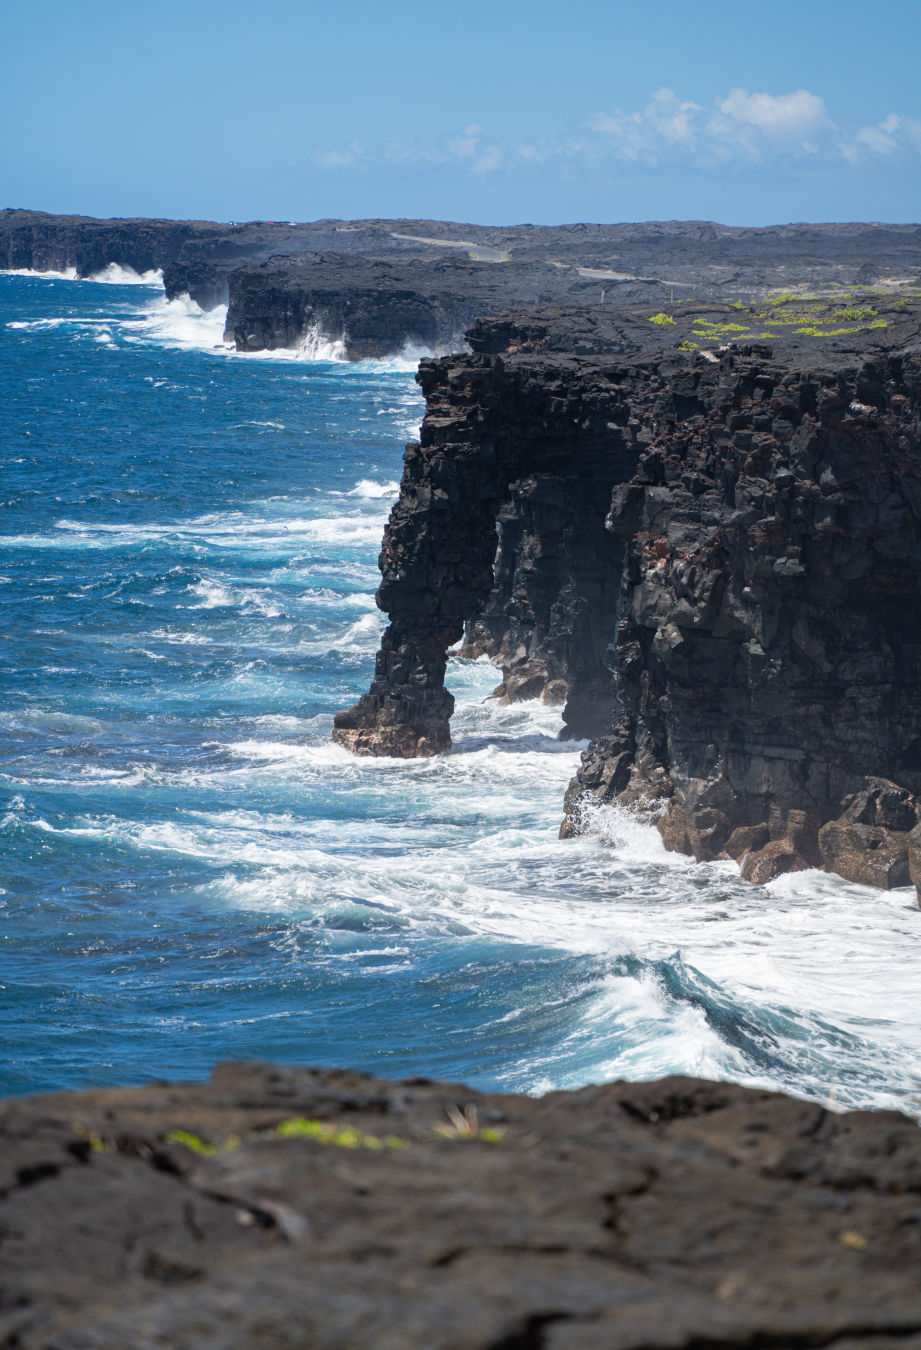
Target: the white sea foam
(366, 487)
(115, 275)
(231, 529)
(212, 594)
(315, 346)
(69, 274)
(179, 323)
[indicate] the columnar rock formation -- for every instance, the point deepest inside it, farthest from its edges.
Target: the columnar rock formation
(763, 511)
(539, 448)
(768, 655)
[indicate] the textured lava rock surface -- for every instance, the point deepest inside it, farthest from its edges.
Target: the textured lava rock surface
(289, 1208)
(767, 655)
(732, 531)
(375, 307)
(285, 279)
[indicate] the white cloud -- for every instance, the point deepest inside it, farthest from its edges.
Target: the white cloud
(894, 134)
(782, 115)
(740, 127)
(464, 146)
(341, 159)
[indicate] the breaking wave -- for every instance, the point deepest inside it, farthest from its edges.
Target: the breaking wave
(192, 870)
(113, 274)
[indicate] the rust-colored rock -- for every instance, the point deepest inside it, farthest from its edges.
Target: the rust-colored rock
(773, 860)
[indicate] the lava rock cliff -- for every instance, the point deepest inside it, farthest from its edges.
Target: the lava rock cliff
(710, 550)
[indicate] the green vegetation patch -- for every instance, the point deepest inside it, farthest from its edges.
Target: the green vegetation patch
(838, 332)
(662, 320)
(852, 312)
(340, 1136)
(708, 328)
(200, 1146)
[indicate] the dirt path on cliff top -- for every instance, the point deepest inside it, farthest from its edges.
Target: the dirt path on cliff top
(485, 253)
(478, 252)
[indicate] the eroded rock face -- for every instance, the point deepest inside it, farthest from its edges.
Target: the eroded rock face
(869, 842)
(768, 651)
(537, 448)
(276, 1208)
(764, 527)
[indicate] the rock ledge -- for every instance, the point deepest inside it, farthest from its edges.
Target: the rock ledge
(279, 1208)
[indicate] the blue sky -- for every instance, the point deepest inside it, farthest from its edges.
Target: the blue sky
(498, 113)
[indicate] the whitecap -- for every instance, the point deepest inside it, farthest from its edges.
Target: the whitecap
(366, 487)
(68, 274)
(179, 323)
(114, 274)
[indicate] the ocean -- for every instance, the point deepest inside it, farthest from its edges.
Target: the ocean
(190, 871)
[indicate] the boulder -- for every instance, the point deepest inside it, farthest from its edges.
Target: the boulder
(869, 842)
(777, 857)
(746, 839)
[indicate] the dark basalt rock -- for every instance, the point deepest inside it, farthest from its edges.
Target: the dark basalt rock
(765, 518)
(378, 311)
(376, 307)
(532, 446)
(768, 653)
(284, 1207)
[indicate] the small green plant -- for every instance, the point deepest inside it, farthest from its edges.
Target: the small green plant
(340, 1136)
(95, 1141)
(662, 320)
(688, 346)
(852, 312)
(466, 1125)
(192, 1142)
(718, 329)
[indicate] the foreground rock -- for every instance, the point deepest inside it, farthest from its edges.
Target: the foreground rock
(285, 1208)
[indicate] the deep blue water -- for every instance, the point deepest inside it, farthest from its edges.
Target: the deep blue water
(190, 871)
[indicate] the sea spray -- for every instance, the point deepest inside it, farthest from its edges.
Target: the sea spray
(190, 870)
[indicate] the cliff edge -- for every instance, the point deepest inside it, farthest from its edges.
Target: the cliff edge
(702, 534)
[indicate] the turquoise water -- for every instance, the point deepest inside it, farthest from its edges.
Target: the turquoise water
(191, 871)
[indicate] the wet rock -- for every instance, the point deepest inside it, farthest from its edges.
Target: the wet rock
(869, 842)
(746, 839)
(866, 854)
(777, 857)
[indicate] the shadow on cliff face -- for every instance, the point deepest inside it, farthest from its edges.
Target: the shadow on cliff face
(740, 527)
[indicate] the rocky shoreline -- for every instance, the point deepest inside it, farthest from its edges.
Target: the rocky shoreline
(709, 529)
(277, 1207)
(375, 287)
(694, 524)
